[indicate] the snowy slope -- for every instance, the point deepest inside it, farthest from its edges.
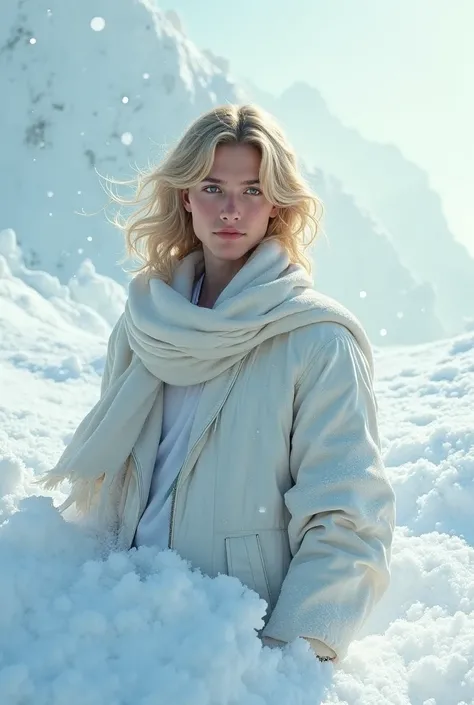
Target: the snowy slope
(394, 190)
(356, 263)
(92, 85)
(140, 628)
(104, 86)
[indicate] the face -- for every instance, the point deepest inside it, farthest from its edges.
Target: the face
(229, 211)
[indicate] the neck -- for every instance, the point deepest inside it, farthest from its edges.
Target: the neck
(217, 275)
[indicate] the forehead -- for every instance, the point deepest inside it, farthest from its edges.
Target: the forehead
(236, 162)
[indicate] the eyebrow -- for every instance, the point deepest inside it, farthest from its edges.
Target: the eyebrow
(249, 182)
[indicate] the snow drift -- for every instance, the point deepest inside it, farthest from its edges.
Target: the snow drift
(80, 626)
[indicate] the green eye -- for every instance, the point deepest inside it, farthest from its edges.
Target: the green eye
(206, 188)
(257, 191)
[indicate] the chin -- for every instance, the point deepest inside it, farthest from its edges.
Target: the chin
(229, 250)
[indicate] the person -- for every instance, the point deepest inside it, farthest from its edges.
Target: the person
(237, 422)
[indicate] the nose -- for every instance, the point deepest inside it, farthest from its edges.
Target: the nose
(230, 212)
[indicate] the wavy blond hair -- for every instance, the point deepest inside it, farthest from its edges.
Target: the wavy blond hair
(160, 232)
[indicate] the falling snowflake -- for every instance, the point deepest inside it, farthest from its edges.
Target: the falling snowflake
(79, 193)
(50, 194)
(362, 294)
(32, 40)
(126, 138)
(400, 314)
(97, 24)
(125, 99)
(80, 251)
(146, 76)
(89, 239)
(383, 332)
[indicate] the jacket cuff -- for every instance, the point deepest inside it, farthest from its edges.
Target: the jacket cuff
(319, 648)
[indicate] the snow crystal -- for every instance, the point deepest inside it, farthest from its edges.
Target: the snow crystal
(97, 24)
(127, 138)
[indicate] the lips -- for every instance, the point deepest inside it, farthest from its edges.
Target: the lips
(229, 234)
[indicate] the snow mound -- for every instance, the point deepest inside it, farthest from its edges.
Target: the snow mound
(136, 627)
(100, 293)
(90, 301)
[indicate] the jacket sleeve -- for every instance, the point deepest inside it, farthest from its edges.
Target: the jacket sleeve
(341, 505)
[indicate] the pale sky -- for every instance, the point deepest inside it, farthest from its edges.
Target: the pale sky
(399, 71)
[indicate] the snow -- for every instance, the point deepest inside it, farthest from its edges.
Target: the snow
(105, 108)
(99, 73)
(79, 626)
(140, 628)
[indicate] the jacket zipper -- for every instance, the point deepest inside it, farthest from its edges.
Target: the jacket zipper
(139, 481)
(175, 483)
(173, 500)
(207, 426)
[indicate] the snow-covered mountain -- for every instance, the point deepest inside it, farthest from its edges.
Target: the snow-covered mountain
(395, 191)
(102, 87)
(92, 85)
(141, 627)
(359, 266)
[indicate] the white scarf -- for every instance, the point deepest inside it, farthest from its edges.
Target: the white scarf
(176, 342)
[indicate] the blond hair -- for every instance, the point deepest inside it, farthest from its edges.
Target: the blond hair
(160, 232)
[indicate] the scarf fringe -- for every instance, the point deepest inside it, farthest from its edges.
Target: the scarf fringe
(83, 491)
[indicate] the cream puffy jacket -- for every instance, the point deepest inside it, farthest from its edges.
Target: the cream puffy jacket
(283, 485)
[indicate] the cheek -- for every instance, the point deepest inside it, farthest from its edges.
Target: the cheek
(260, 211)
(204, 207)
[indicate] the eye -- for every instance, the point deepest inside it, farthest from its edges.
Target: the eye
(211, 186)
(256, 191)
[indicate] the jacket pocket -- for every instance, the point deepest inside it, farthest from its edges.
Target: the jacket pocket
(245, 562)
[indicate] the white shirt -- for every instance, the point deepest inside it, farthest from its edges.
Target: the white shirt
(179, 410)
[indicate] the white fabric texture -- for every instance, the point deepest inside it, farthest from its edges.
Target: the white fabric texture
(172, 341)
(179, 410)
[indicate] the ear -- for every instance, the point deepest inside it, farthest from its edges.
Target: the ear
(274, 211)
(185, 200)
